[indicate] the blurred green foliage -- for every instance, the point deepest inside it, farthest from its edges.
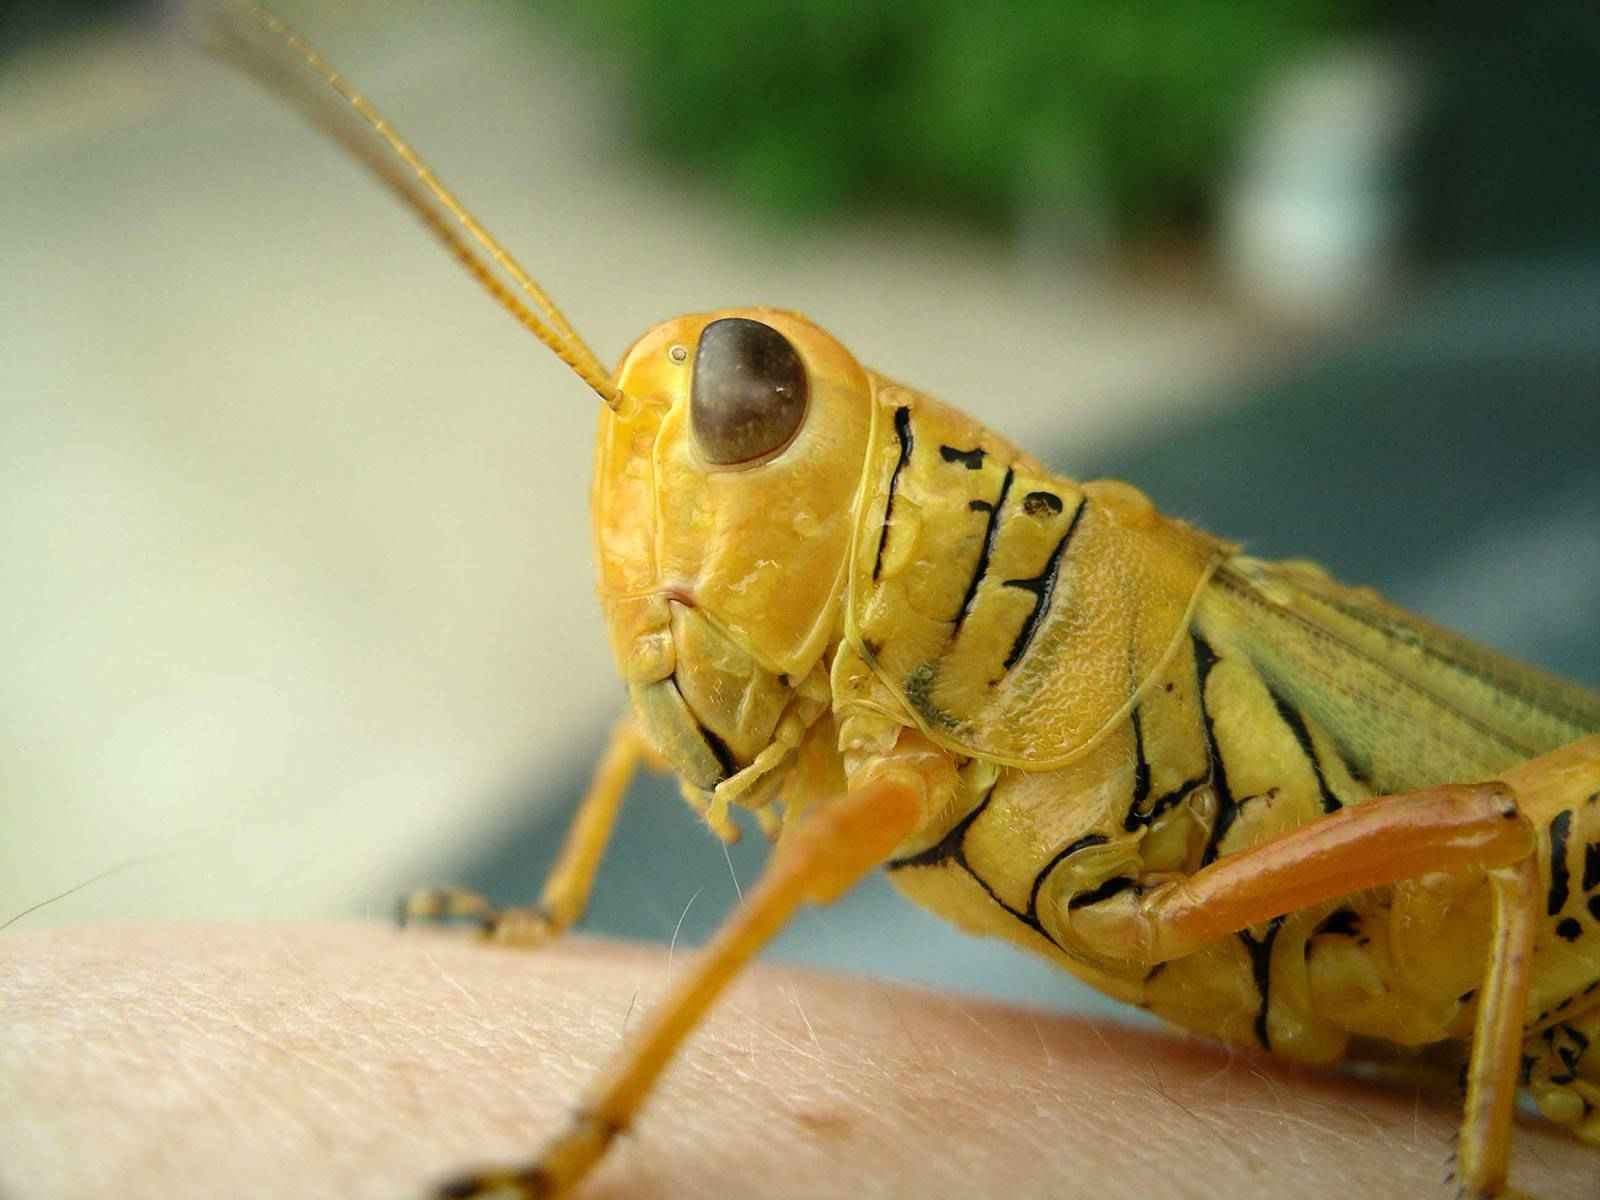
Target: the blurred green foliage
(1000, 113)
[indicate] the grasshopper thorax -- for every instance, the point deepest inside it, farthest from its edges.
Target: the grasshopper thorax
(725, 486)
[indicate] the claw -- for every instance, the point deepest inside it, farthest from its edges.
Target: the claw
(506, 926)
(444, 904)
(520, 926)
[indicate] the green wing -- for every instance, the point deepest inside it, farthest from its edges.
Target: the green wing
(1408, 703)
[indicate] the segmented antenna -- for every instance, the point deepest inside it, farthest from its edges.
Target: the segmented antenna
(266, 47)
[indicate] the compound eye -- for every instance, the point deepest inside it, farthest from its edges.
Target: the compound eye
(749, 391)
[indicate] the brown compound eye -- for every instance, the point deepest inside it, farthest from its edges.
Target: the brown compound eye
(749, 391)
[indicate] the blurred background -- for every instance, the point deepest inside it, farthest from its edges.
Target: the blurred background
(296, 599)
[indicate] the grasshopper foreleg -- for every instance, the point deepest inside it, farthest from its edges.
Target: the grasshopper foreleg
(566, 890)
(827, 853)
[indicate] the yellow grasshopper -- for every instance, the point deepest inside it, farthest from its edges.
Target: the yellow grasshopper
(1257, 802)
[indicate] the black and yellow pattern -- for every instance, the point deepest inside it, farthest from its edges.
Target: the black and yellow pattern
(977, 574)
(1264, 805)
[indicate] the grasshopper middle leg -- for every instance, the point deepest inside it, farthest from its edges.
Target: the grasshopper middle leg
(566, 890)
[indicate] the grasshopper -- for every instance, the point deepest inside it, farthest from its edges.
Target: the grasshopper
(1259, 803)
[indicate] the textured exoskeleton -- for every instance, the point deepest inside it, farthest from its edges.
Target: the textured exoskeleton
(1131, 748)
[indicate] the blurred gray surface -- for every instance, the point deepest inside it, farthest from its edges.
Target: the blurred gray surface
(1446, 456)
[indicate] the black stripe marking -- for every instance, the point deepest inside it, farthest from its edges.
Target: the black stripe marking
(1569, 929)
(1529, 1062)
(1111, 887)
(1591, 866)
(1560, 828)
(1260, 952)
(1227, 807)
(1042, 504)
(972, 460)
(1594, 906)
(990, 892)
(1056, 859)
(1138, 814)
(1043, 587)
(951, 849)
(1141, 770)
(719, 750)
(1176, 796)
(1345, 922)
(948, 848)
(902, 430)
(1297, 725)
(1572, 1054)
(983, 555)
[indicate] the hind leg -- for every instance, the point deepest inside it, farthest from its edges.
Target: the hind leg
(1452, 828)
(1561, 1066)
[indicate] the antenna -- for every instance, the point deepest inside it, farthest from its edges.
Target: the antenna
(267, 48)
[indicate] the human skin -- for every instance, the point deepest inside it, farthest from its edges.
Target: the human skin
(354, 1061)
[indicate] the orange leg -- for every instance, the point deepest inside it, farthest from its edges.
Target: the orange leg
(822, 858)
(566, 891)
(1456, 828)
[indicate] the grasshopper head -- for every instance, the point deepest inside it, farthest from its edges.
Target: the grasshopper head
(724, 492)
(731, 451)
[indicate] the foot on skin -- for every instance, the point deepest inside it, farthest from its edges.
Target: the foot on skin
(449, 904)
(445, 904)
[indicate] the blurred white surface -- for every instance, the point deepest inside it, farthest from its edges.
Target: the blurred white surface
(1313, 219)
(295, 521)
